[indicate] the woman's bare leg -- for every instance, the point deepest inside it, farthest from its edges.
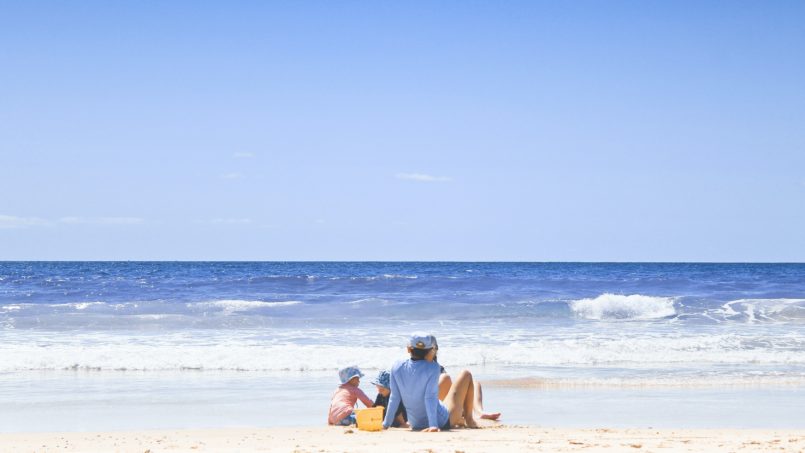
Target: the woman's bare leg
(479, 397)
(459, 401)
(444, 385)
(478, 405)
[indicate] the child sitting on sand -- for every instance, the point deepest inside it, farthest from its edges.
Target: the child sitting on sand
(383, 392)
(347, 394)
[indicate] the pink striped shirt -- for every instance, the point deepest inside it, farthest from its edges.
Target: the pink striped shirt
(344, 400)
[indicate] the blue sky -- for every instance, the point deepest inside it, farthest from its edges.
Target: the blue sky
(536, 131)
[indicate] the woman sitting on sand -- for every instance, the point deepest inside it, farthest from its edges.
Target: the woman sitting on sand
(445, 382)
(415, 383)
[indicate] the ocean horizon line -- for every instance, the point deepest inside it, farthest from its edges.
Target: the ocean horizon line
(397, 261)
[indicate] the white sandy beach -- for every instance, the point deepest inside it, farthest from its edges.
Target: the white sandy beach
(338, 439)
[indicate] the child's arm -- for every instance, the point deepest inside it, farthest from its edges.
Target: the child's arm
(365, 399)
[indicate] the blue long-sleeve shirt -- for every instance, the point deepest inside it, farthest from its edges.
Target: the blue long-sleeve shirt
(416, 384)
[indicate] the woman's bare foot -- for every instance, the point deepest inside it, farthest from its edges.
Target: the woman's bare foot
(492, 416)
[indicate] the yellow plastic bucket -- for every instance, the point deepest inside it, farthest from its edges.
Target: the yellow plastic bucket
(370, 419)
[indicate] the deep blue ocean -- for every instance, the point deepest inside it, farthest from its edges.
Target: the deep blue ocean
(589, 321)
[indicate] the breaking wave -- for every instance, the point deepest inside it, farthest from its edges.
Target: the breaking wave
(614, 306)
(758, 310)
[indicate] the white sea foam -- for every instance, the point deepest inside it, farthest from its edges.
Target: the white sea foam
(379, 277)
(78, 305)
(324, 349)
(655, 351)
(153, 317)
(754, 310)
(370, 301)
(175, 353)
(236, 306)
(615, 306)
(61, 307)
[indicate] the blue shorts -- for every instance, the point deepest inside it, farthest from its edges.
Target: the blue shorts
(349, 420)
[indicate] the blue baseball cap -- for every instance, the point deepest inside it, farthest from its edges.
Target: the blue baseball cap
(421, 340)
(383, 379)
(345, 374)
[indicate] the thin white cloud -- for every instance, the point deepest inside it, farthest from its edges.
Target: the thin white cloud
(231, 221)
(102, 220)
(232, 175)
(422, 177)
(243, 155)
(11, 221)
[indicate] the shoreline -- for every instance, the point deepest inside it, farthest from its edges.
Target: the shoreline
(110, 402)
(497, 437)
